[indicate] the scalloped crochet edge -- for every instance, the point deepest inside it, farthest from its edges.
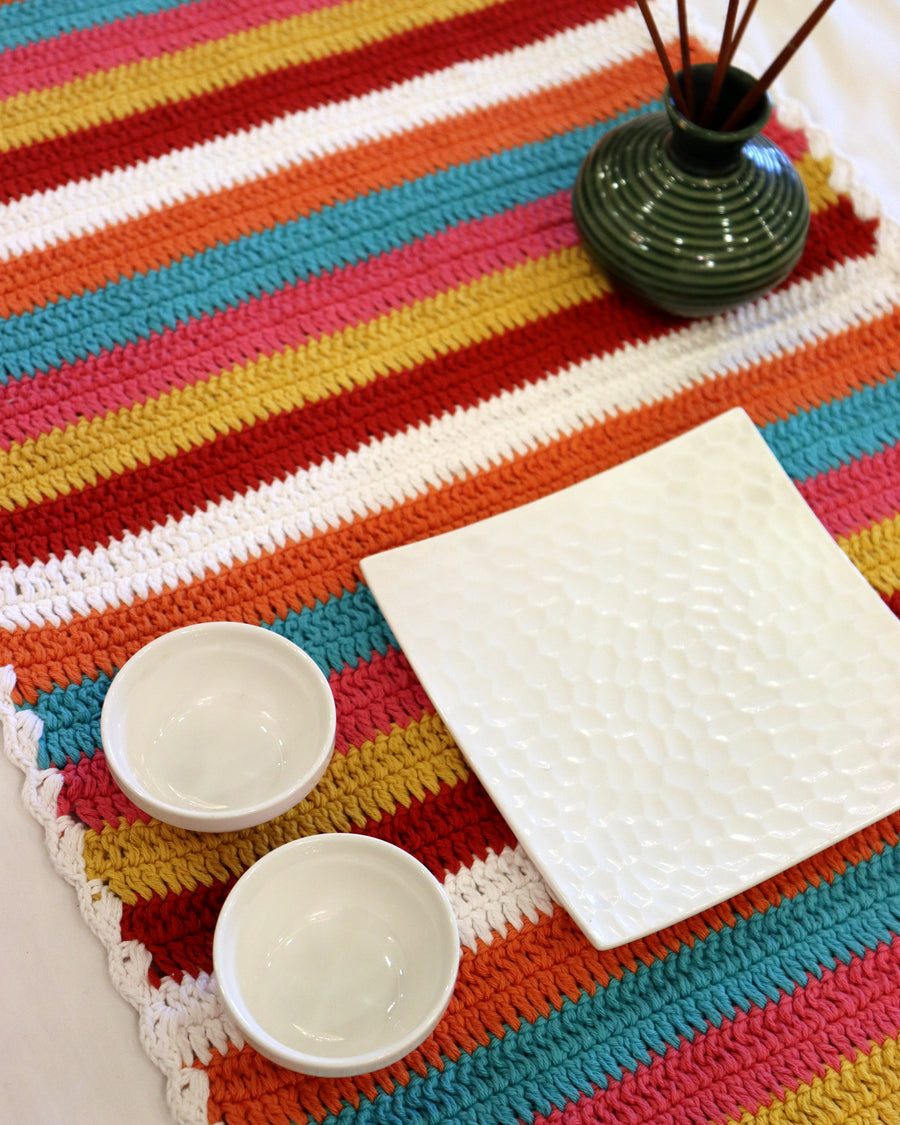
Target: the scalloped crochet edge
(187, 1087)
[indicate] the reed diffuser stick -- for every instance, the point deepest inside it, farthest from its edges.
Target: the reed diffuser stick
(712, 97)
(756, 92)
(677, 95)
(741, 28)
(687, 76)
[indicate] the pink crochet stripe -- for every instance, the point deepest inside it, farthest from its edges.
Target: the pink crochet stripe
(377, 695)
(192, 352)
(53, 62)
(853, 497)
(374, 696)
(750, 1060)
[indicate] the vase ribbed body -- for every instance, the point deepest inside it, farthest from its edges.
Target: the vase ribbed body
(691, 220)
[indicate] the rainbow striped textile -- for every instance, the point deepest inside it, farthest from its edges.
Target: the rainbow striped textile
(287, 284)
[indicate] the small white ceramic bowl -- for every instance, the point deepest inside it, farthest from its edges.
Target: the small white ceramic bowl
(336, 954)
(218, 726)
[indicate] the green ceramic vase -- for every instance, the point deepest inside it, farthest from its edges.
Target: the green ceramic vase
(693, 220)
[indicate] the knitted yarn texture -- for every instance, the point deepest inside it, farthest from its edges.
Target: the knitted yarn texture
(285, 285)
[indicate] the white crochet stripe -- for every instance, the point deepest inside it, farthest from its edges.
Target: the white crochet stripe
(190, 1018)
(128, 961)
(408, 464)
(495, 894)
(83, 206)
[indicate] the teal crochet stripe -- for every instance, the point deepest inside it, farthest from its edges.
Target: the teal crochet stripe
(29, 21)
(71, 718)
(335, 633)
(227, 275)
(340, 631)
(813, 441)
(597, 1039)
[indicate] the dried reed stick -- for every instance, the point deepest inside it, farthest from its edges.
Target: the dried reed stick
(756, 92)
(741, 28)
(677, 95)
(687, 75)
(712, 97)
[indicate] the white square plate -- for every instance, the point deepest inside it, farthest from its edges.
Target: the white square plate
(670, 679)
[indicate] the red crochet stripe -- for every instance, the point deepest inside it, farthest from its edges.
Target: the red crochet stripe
(374, 696)
(89, 793)
(793, 142)
(892, 601)
(285, 443)
(446, 831)
(177, 930)
(142, 136)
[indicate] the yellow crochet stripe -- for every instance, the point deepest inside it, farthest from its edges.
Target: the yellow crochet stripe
(396, 768)
(108, 95)
(56, 463)
(816, 175)
(876, 552)
(863, 1091)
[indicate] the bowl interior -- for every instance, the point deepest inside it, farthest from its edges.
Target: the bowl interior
(216, 721)
(336, 954)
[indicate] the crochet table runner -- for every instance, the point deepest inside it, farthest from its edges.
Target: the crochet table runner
(287, 284)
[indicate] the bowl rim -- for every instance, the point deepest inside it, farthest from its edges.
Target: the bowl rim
(306, 849)
(238, 816)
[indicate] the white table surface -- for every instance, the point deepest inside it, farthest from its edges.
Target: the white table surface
(69, 1043)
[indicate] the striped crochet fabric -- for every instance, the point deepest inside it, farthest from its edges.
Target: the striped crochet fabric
(287, 284)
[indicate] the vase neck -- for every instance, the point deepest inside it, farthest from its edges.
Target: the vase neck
(712, 156)
(706, 150)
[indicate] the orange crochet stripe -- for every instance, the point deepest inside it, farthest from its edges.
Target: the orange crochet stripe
(159, 238)
(327, 563)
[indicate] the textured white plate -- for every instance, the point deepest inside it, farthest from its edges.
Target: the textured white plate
(670, 679)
